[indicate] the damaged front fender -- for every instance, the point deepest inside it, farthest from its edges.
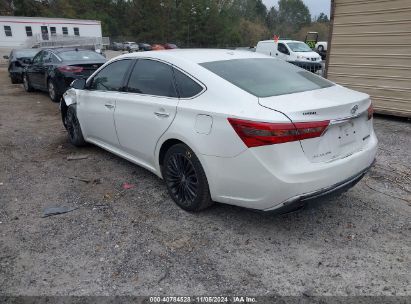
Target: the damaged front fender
(70, 97)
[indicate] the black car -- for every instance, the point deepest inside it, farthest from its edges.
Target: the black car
(144, 47)
(17, 64)
(53, 70)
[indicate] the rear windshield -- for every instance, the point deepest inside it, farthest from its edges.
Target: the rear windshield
(264, 77)
(80, 55)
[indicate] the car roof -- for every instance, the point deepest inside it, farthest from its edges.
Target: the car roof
(281, 40)
(61, 50)
(289, 40)
(195, 55)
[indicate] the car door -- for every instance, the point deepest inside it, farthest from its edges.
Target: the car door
(146, 110)
(282, 52)
(97, 102)
(42, 70)
(33, 70)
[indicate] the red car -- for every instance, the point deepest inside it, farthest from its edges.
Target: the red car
(170, 46)
(157, 47)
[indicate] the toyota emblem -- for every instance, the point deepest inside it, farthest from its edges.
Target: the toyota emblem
(354, 109)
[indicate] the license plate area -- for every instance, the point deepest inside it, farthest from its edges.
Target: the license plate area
(341, 139)
(347, 133)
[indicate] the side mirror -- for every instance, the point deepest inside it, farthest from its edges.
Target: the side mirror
(5, 57)
(79, 84)
(27, 61)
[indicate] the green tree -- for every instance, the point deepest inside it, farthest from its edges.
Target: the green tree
(322, 18)
(293, 15)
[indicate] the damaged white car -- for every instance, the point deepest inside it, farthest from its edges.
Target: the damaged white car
(226, 126)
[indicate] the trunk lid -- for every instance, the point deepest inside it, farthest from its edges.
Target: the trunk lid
(88, 68)
(346, 110)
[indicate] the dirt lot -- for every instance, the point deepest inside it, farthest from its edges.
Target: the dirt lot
(137, 242)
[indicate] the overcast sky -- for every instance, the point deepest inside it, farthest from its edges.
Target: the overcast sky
(316, 6)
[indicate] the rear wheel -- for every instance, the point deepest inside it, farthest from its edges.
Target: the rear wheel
(52, 89)
(185, 179)
(26, 84)
(73, 127)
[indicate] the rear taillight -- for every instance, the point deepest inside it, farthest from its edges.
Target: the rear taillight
(70, 69)
(255, 134)
(370, 111)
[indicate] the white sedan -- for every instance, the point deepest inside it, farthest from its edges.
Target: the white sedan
(226, 126)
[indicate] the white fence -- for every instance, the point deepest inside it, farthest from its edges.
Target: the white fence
(54, 41)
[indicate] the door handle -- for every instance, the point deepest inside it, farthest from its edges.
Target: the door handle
(109, 106)
(162, 114)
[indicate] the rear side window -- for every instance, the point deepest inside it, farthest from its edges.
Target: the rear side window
(185, 85)
(152, 78)
(38, 58)
(111, 77)
(264, 77)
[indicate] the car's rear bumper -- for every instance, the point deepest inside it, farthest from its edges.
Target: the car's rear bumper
(269, 177)
(299, 201)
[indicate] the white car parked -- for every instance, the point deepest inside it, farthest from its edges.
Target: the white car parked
(321, 46)
(296, 52)
(227, 126)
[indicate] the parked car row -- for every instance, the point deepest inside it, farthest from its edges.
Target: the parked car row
(131, 46)
(205, 121)
(52, 70)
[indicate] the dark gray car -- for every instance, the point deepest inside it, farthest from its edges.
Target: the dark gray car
(17, 63)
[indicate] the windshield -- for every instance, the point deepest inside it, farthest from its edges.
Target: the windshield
(26, 53)
(80, 56)
(264, 77)
(298, 47)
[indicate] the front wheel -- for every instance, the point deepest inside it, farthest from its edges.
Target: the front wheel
(26, 84)
(73, 127)
(185, 179)
(14, 79)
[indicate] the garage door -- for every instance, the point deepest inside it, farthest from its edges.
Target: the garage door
(371, 51)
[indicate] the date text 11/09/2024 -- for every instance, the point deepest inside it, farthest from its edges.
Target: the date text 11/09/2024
(203, 299)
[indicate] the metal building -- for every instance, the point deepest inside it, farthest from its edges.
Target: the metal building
(17, 32)
(370, 51)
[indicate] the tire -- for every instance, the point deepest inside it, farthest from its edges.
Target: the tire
(14, 79)
(26, 84)
(185, 179)
(73, 127)
(52, 90)
(320, 48)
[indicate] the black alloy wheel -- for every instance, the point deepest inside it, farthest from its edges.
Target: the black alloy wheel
(26, 84)
(185, 179)
(73, 127)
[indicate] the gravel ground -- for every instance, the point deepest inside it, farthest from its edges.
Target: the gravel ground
(138, 242)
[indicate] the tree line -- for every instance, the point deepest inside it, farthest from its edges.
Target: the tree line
(190, 23)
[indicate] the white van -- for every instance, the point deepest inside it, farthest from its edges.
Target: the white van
(293, 51)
